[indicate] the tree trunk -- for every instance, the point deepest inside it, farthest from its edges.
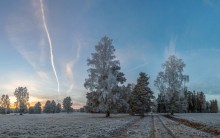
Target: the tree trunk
(107, 114)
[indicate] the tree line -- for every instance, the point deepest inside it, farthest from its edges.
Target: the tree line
(22, 105)
(195, 102)
(108, 94)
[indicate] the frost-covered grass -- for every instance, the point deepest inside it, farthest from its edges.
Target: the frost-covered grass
(85, 125)
(63, 125)
(210, 119)
(182, 131)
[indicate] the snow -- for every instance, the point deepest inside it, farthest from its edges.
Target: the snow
(183, 131)
(141, 128)
(86, 125)
(63, 125)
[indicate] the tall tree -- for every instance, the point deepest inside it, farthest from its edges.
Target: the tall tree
(37, 108)
(58, 108)
(31, 110)
(104, 77)
(67, 103)
(22, 97)
(5, 103)
(171, 83)
(53, 106)
(213, 106)
(140, 98)
(47, 107)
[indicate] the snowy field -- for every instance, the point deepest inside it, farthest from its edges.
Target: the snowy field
(62, 125)
(84, 125)
(210, 119)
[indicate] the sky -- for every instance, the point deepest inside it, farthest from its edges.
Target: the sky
(46, 44)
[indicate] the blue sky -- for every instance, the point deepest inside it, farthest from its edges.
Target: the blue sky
(144, 33)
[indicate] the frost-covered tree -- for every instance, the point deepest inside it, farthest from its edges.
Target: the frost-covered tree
(140, 98)
(22, 97)
(37, 108)
(53, 106)
(161, 103)
(67, 103)
(92, 104)
(31, 110)
(214, 106)
(171, 84)
(5, 103)
(104, 77)
(58, 108)
(47, 107)
(123, 98)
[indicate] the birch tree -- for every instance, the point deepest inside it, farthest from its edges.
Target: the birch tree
(22, 97)
(171, 84)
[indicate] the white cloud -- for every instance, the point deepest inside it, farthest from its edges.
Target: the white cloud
(9, 87)
(21, 30)
(137, 67)
(43, 75)
(69, 70)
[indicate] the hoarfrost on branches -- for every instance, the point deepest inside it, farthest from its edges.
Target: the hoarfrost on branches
(171, 84)
(22, 96)
(103, 80)
(67, 103)
(5, 103)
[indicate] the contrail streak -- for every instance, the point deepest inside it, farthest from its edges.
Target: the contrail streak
(51, 47)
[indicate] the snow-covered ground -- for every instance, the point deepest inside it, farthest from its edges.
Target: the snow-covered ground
(209, 119)
(85, 125)
(182, 131)
(63, 125)
(162, 127)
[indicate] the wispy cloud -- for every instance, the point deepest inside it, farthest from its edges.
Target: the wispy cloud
(69, 68)
(137, 67)
(29, 39)
(20, 29)
(215, 50)
(12, 85)
(171, 48)
(209, 2)
(43, 75)
(213, 4)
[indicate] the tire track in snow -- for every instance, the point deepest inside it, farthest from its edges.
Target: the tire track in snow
(153, 129)
(161, 130)
(195, 125)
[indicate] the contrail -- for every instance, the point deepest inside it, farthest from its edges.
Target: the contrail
(51, 47)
